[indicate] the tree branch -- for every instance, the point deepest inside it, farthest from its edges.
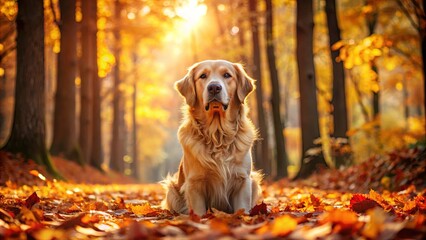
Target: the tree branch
(55, 16)
(406, 55)
(408, 15)
(7, 34)
(7, 51)
(358, 94)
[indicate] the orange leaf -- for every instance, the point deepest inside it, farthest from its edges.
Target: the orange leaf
(219, 226)
(339, 216)
(280, 227)
(410, 207)
(143, 209)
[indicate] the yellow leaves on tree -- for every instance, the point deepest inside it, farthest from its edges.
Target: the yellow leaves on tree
(354, 53)
(9, 8)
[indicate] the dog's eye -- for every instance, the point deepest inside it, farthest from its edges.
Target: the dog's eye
(227, 75)
(203, 76)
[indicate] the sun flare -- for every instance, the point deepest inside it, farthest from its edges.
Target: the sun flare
(191, 11)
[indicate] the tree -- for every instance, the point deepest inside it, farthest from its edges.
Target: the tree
(87, 77)
(89, 138)
(340, 120)
(28, 134)
(135, 158)
(96, 155)
(262, 157)
(371, 25)
(64, 129)
(307, 87)
(281, 154)
(418, 8)
(117, 144)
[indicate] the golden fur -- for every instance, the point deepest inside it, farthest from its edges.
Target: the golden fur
(216, 169)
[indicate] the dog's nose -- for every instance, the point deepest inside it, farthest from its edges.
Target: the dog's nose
(214, 88)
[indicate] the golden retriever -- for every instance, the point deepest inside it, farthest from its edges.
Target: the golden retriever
(216, 170)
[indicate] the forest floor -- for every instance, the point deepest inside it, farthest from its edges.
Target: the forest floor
(383, 198)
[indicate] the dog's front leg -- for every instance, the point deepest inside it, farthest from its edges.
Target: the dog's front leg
(195, 195)
(243, 197)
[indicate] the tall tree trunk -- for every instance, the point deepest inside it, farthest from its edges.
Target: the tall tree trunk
(116, 161)
(135, 157)
(423, 42)
(262, 159)
(88, 36)
(96, 156)
(241, 38)
(28, 134)
(307, 87)
(281, 154)
(64, 132)
(371, 24)
(340, 119)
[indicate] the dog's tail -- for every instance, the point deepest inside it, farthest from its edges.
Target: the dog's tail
(174, 200)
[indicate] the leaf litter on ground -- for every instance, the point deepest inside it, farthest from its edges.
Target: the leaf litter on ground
(292, 210)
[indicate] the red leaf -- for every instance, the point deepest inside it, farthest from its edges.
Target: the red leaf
(259, 209)
(31, 200)
(361, 204)
(315, 201)
(194, 217)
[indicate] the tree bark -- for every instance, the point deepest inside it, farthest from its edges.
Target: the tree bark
(64, 129)
(96, 157)
(281, 154)
(262, 158)
(28, 134)
(135, 158)
(423, 42)
(87, 71)
(116, 161)
(340, 120)
(307, 86)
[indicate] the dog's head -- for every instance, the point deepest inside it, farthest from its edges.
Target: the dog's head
(215, 84)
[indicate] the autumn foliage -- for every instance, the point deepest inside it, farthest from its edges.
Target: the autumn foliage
(294, 210)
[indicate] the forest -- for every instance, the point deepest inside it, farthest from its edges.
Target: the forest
(89, 116)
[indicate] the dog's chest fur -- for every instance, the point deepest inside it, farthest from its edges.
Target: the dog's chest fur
(223, 156)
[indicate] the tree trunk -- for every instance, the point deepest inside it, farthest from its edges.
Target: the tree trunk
(116, 161)
(96, 156)
(64, 132)
(262, 158)
(307, 86)
(135, 158)
(241, 37)
(87, 74)
(281, 154)
(371, 24)
(28, 134)
(340, 120)
(423, 42)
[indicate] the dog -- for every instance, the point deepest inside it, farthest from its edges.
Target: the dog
(216, 170)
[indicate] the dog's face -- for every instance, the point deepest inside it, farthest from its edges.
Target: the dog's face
(214, 85)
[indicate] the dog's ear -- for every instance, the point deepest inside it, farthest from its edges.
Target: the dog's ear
(186, 87)
(245, 84)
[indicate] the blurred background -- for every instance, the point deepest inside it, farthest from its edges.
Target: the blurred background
(110, 66)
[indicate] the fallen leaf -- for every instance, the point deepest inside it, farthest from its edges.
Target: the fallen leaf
(279, 227)
(361, 204)
(259, 209)
(31, 200)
